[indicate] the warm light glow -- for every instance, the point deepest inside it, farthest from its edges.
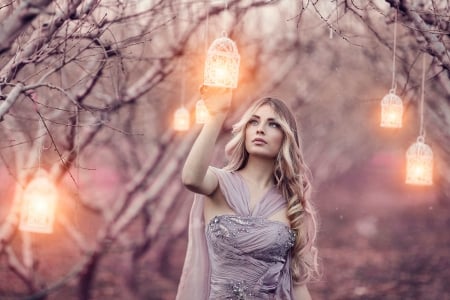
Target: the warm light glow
(391, 111)
(201, 112)
(222, 64)
(221, 73)
(39, 204)
(419, 164)
(181, 119)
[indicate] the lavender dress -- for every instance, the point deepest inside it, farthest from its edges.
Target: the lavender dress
(239, 256)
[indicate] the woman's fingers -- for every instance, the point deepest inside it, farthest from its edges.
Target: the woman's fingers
(216, 98)
(212, 90)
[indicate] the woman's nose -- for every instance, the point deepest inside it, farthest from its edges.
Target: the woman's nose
(260, 129)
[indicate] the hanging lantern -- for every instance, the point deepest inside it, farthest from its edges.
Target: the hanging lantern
(419, 163)
(201, 112)
(391, 111)
(222, 64)
(181, 119)
(38, 204)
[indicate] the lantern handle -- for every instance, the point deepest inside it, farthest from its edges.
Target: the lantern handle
(394, 88)
(392, 91)
(421, 139)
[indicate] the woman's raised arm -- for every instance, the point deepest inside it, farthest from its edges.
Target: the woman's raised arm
(196, 176)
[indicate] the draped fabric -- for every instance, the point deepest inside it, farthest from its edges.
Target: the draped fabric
(195, 281)
(239, 256)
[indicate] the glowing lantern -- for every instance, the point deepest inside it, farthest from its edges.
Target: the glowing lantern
(201, 112)
(391, 111)
(38, 204)
(222, 64)
(419, 163)
(181, 119)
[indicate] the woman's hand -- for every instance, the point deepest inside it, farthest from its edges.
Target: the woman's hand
(217, 100)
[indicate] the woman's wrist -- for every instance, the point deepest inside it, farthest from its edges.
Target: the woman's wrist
(217, 100)
(219, 111)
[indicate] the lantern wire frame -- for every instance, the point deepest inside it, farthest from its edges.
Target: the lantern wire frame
(39, 204)
(391, 110)
(222, 63)
(419, 163)
(181, 120)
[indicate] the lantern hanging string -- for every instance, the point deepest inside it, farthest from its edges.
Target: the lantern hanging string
(206, 33)
(422, 98)
(41, 146)
(183, 83)
(224, 18)
(337, 15)
(394, 51)
(337, 21)
(77, 166)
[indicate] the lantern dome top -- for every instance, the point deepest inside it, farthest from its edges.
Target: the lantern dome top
(391, 98)
(41, 182)
(224, 45)
(419, 148)
(40, 173)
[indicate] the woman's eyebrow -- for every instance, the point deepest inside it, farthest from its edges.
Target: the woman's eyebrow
(268, 119)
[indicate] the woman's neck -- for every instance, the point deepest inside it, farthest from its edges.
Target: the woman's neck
(259, 171)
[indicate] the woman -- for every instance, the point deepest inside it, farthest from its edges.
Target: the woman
(252, 228)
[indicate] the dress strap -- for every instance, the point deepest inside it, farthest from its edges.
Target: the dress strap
(232, 190)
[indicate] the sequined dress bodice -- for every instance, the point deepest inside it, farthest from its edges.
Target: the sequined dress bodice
(248, 256)
(242, 255)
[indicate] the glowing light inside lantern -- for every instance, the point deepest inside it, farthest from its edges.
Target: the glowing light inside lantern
(201, 112)
(391, 111)
(181, 120)
(419, 163)
(221, 73)
(418, 170)
(39, 204)
(222, 64)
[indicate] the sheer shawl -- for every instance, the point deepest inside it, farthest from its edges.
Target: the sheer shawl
(195, 278)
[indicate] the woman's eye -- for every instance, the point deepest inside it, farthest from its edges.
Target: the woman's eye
(253, 122)
(274, 125)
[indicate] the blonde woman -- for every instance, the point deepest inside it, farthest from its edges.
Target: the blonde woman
(252, 228)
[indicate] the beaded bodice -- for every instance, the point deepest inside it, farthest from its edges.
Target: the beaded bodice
(247, 255)
(243, 255)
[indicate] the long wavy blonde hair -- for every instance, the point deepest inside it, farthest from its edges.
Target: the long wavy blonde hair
(292, 178)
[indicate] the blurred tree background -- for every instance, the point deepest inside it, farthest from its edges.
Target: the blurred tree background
(88, 89)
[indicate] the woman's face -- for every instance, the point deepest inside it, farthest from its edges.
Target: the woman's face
(263, 133)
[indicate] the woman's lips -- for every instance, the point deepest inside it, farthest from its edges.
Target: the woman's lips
(259, 141)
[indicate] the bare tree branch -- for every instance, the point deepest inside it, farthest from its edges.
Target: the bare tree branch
(19, 21)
